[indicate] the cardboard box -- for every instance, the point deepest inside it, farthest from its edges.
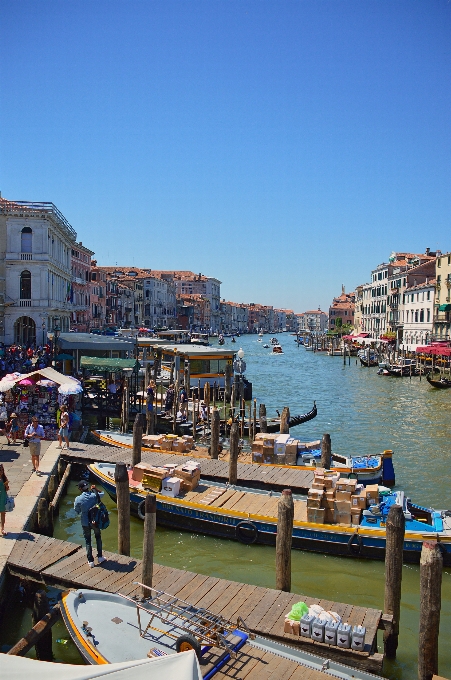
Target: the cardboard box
(257, 447)
(293, 627)
(342, 506)
(342, 518)
(268, 455)
(166, 444)
(291, 458)
(356, 517)
(351, 485)
(267, 435)
(372, 494)
(329, 504)
(315, 493)
(170, 486)
(328, 483)
(316, 515)
(279, 459)
(152, 439)
(179, 445)
(257, 457)
(343, 495)
(292, 447)
(314, 503)
(318, 485)
(341, 485)
(359, 501)
(330, 494)
(329, 517)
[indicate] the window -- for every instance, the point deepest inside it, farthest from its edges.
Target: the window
(421, 315)
(26, 238)
(428, 315)
(25, 285)
(439, 262)
(428, 295)
(416, 315)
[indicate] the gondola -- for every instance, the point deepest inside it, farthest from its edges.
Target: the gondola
(371, 363)
(274, 425)
(443, 383)
(402, 371)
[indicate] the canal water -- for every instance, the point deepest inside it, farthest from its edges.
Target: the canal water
(364, 413)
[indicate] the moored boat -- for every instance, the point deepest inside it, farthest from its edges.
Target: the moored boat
(251, 517)
(442, 383)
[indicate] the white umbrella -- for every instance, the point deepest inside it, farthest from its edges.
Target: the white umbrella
(6, 385)
(70, 388)
(46, 383)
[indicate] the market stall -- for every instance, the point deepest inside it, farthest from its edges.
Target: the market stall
(39, 393)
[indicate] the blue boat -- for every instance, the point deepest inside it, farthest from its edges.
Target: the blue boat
(253, 519)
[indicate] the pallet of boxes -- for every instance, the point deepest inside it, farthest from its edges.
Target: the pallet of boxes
(168, 480)
(168, 442)
(336, 500)
(274, 449)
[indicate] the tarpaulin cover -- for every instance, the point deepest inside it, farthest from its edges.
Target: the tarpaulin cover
(172, 667)
(108, 365)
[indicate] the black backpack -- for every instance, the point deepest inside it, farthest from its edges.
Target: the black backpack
(98, 515)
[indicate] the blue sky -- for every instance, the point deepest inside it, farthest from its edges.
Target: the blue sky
(283, 147)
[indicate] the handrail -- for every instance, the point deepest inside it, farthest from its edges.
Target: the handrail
(50, 208)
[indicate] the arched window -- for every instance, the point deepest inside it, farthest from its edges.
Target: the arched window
(26, 240)
(25, 285)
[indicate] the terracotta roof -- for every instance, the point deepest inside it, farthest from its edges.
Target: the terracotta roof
(429, 284)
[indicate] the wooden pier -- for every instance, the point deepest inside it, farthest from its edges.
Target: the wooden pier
(63, 565)
(252, 475)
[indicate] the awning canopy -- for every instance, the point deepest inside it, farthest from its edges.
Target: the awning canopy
(436, 350)
(112, 365)
(445, 308)
(49, 374)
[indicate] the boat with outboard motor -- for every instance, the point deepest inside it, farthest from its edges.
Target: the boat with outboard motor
(250, 516)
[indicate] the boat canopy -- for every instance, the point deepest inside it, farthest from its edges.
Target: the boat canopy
(171, 667)
(112, 365)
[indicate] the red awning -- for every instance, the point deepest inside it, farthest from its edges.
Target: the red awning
(364, 335)
(436, 350)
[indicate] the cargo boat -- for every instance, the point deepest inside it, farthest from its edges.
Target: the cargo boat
(252, 518)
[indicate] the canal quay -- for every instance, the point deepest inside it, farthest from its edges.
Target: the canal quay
(364, 413)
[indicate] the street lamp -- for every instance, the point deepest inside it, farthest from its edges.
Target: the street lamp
(56, 331)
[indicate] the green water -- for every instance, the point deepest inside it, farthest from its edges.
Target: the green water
(364, 413)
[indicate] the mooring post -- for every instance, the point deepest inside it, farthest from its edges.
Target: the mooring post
(431, 565)
(150, 524)
(227, 383)
(326, 454)
(123, 508)
(61, 468)
(254, 420)
(284, 421)
(395, 529)
(52, 487)
(45, 524)
(40, 609)
(137, 439)
(283, 541)
(214, 445)
(262, 418)
(234, 450)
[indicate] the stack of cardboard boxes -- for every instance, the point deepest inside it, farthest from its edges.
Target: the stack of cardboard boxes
(336, 500)
(169, 480)
(274, 449)
(169, 442)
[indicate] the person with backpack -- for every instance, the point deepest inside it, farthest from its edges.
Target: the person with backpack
(83, 504)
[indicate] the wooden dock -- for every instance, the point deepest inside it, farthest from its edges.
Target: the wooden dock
(252, 475)
(63, 565)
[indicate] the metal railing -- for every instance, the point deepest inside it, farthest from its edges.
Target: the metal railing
(22, 208)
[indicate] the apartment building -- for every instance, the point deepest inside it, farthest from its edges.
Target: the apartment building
(417, 315)
(260, 317)
(189, 283)
(98, 296)
(442, 312)
(36, 243)
(313, 321)
(341, 311)
(81, 288)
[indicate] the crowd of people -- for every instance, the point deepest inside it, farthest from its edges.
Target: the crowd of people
(17, 359)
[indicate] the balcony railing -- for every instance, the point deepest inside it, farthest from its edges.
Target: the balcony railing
(25, 303)
(26, 256)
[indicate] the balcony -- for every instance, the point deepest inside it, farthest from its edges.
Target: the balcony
(26, 256)
(25, 303)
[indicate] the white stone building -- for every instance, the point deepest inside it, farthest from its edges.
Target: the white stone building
(313, 321)
(417, 315)
(35, 271)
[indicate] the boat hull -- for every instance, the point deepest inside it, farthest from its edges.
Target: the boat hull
(328, 539)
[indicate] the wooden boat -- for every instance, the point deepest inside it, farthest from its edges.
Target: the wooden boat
(277, 349)
(251, 517)
(369, 364)
(110, 628)
(442, 384)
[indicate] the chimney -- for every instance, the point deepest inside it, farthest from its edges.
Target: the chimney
(428, 250)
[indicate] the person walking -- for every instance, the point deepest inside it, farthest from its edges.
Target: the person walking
(12, 428)
(82, 504)
(63, 432)
(34, 433)
(183, 401)
(4, 487)
(169, 399)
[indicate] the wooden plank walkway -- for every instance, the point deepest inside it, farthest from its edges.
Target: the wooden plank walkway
(61, 564)
(269, 477)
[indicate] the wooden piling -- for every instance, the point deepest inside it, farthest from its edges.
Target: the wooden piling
(395, 529)
(41, 609)
(262, 418)
(283, 541)
(234, 451)
(123, 508)
(53, 485)
(215, 423)
(284, 421)
(227, 382)
(54, 505)
(40, 629)
(254, 421)
(61, 468)
(150, 523)
(431, 565)
(45, 524)
(326, 454)
(137, 439)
